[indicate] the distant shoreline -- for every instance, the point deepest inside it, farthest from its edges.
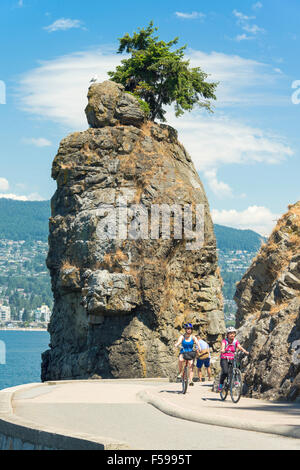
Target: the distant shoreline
(23, 329)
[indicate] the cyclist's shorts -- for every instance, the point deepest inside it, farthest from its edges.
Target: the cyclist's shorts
(203, 362)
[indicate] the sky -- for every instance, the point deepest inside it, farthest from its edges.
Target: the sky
(246, 153)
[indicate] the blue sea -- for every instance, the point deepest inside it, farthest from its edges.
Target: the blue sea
(20, 356)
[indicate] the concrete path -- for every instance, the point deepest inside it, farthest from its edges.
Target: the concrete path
(202, 405)
(145, 414)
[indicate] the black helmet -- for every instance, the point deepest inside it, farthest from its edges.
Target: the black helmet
(187, 325)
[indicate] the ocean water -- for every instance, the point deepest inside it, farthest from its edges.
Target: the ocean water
(20, 356)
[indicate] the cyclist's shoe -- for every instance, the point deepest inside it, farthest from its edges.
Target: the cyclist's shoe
(220, 388)
(191, 384)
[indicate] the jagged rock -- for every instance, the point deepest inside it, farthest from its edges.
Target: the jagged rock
(110, 294)
(121, 300)
(291, 280)
(109, 105)
(268, 316)
(128, 111)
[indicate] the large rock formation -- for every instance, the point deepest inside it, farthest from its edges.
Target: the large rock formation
(268, 316)
(121, 298)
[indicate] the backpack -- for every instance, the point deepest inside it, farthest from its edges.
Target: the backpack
(233, 343)
(203, 354)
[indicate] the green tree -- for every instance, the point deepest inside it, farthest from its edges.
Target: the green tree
(26, 317)
(160, 76)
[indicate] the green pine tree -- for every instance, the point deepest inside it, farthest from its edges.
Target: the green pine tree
(160, 76)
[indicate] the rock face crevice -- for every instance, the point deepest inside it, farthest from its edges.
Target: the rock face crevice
(268, 316)
(122, 293)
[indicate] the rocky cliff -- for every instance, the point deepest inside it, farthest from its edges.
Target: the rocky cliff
(268, 317)
(121, 292)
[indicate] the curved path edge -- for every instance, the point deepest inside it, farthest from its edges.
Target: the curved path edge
(19, 434)
(192, 415)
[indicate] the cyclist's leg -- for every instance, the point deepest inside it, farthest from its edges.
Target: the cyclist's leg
(184, 377)
(230, 369)
(224, 370)
(180, 364)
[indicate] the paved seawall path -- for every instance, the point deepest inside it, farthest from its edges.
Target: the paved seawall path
(203, 406)
(142, 414)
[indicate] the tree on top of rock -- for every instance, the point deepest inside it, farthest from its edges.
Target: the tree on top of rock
(160, 76)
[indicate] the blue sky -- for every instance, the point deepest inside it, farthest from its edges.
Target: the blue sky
(247, 152)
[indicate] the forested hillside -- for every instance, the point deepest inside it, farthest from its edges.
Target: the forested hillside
(24, 220)
(234, 239)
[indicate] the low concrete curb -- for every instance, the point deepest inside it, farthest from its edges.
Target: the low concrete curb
(192, 415)
(19, 434)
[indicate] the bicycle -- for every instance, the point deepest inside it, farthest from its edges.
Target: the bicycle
(233, 381)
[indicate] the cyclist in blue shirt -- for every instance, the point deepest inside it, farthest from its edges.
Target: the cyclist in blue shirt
(187, 342)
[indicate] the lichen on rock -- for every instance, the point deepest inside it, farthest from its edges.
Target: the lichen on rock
(122, 293)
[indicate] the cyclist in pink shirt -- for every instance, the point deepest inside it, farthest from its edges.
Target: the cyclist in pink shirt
(229, 347)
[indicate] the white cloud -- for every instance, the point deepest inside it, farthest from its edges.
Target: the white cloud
(39, 142)
(4, 184)
(243, 22)
(253, 29)
(241, 81)
(257, 218)
(214, 141)
(190, 16)
(242, 17)
(219, 188)
(57, 89)
(243, 37)
(16, 197)
(63, 24)
(257, 6)
(20, 3)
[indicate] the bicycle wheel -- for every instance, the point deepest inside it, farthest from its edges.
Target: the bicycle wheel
(185, 380)
(236, 385)
(224, 391)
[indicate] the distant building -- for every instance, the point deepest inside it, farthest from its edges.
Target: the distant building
(4, 313)
(42, 313)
